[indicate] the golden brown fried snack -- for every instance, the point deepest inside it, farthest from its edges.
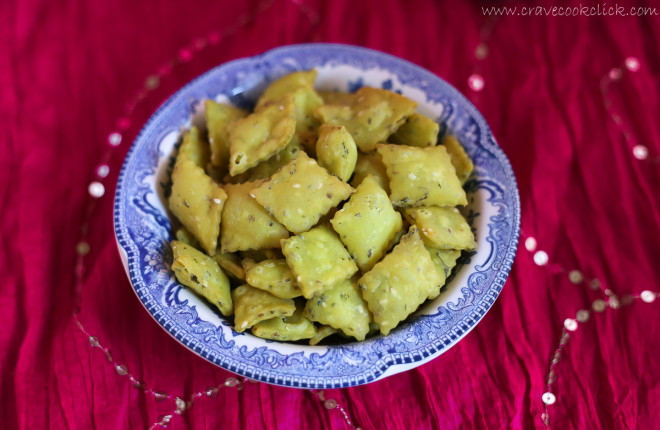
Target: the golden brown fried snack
(300, 193)
(367, 223)
(318, 259)
(421, 176)
(400, 282)
(202, 274)
(252, 305)
(370, 115)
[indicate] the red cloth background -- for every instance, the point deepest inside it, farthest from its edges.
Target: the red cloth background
(67, 71)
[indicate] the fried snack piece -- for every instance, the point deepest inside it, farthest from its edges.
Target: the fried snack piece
(371, 164)
(336, 151)
(400, 282)
(194, 148)
(273, 276)
(440, 267)
(252, 305)
(442, 228)
(301, 86)
(459, 158)
(285, 85)
(261, 135)
(335, 97)
(291, 328)
(307, 101)
(341, 307)
(196, 200)
(418, 130)
(318, 259)
(321, 333)
(367, 223)
(230, 263)
(300, 193)
(421, 176)
(447, 257)
(267, 168)
(218, 118)
(183, 235)
(370, 115)
(245, 224)
(201, 273)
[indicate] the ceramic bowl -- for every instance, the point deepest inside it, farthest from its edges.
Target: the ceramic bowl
(142, 226)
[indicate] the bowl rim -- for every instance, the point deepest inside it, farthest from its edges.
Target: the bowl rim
(387, 365)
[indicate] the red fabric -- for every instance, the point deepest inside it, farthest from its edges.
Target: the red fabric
(68, 70)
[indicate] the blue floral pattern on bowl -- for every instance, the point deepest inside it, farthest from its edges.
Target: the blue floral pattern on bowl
(142, 227)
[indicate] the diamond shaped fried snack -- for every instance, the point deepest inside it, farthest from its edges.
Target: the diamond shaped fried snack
(202, 274)
(442, 228)
(194, 148)
(421, 176)
(400, 282)
(341, 307)
(300, 193)
(183, 235)
(307, 101)
(261, 135)
(285, 85)
(336, 151)
(291, 328)
(301, 86)
(370, 115)
(231, 264)
(196, 200)
(245, 224)
(321, 333)
(267, 168)
(440, 267)
(459, 158)
(367, 223)
(318, 259)
(218, 117)
(371, 164)
(418, 130)
(444, 259)
(252, 305)
(274, 276)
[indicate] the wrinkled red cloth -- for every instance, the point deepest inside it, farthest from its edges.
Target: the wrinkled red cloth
(70, 69)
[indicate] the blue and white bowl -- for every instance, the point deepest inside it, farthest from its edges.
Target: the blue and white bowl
(142, 226)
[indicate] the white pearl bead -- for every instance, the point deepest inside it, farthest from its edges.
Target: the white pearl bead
(647, 296)
(632, 64)
(96, 189)
(530, 244)
(570, 324)
(114, 139)
(549, 398)
(476, 82)
(541, 258)
(102, 170)
(640, 152)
